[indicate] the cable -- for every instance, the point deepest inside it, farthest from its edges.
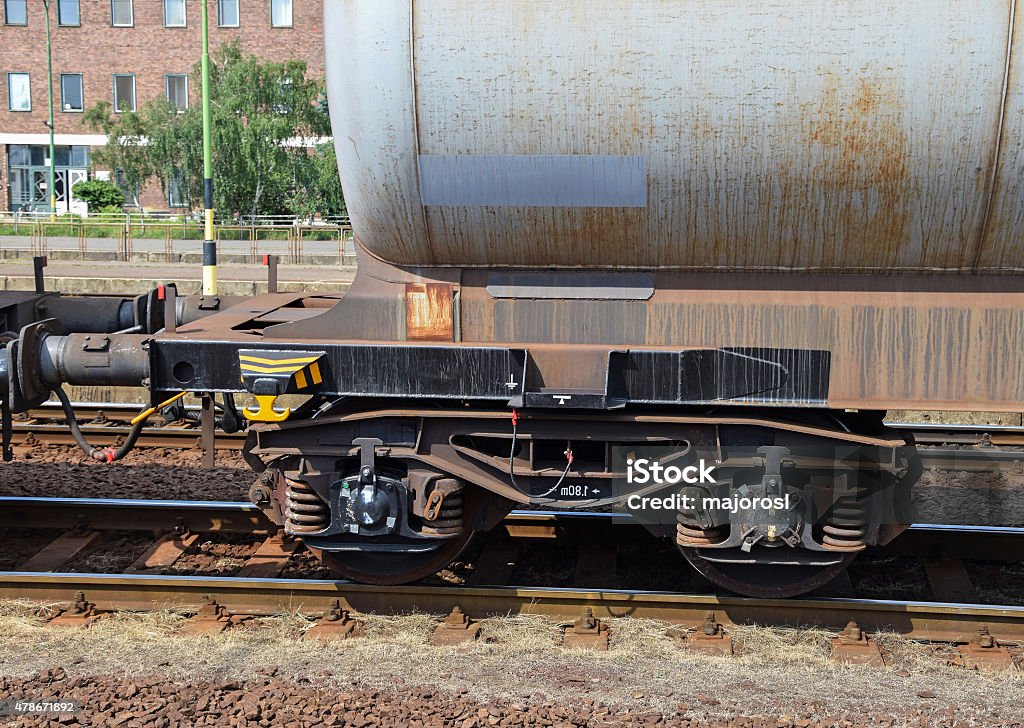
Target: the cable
(105, 454)
(568, 464)
(511, 462)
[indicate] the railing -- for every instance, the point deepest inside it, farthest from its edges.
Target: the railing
(128, 237)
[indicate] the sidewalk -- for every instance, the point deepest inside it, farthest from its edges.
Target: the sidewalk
(234, 279)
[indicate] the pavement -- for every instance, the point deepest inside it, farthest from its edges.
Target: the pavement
(234, 279)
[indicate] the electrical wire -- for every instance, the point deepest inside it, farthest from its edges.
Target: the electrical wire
(511, 463)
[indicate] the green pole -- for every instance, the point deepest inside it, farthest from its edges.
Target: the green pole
(209, 242)
(49, 99)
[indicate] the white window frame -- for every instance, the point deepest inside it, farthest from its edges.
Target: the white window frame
(10, 96)
(7, 20)
(131, 16)
(291, 14)
(184, 14)
(220, 14)
(174, 184)
(117, 105)
(60, 20)
(81, 93)
(167, 89)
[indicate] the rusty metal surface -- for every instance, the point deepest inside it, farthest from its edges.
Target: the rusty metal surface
(862, 135)
(953, 622)
(428, 312)
(945, 342)
(915, 341)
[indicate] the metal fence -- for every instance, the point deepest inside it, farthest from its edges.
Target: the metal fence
(135, 237)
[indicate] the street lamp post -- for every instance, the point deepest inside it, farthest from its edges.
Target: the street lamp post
(209, 241)
(49, 99)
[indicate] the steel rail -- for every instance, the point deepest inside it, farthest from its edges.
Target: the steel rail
(998, 543)
(245, 512)
(919, 620)
(118, 592)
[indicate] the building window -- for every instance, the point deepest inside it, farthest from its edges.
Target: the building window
(124, 92)
(71, 92)
(122, 15)
(19, 92)
(174, 13)
(68, 12)
(227, 13)
(131, 192)
(176, 190)
(177, 90)
(16, 12)
(281, 13)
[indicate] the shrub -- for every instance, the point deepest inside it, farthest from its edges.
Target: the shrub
(100, 195)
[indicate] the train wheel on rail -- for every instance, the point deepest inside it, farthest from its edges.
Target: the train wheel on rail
(370, 567)
(767, 545)
(764, 580)
(383, 541)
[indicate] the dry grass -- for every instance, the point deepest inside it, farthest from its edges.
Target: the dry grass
(521, 658)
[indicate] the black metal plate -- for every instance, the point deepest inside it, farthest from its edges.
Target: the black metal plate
(701, 376)
(360, 370)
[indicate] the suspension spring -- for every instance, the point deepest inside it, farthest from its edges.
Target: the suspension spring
(847, 527)
(689, 534)
(447, 519)
(306, 512)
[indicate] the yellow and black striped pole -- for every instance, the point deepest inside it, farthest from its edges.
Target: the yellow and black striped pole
(209, 239)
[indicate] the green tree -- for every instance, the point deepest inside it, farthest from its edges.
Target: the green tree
(126, 147)
(318, 188)
(264, 116)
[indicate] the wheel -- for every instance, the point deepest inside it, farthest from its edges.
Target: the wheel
(390, 568)
(765, 580)
(420, 559)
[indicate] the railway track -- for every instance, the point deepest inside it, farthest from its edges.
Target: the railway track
(256, 589)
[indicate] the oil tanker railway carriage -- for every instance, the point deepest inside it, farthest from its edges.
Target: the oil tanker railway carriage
(588, 231)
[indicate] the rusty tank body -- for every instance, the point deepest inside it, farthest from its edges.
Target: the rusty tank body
(683, 134)
(697, 234)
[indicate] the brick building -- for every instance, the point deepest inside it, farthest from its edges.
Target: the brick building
(125, 52)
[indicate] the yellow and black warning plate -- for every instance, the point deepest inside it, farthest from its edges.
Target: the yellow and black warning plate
(268, 374)
(298, 370)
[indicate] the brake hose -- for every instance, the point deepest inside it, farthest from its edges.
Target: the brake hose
(108, 454)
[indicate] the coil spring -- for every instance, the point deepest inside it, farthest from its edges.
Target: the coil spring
(687, 534)
(305, 512)
(449, 517)
(848, 525)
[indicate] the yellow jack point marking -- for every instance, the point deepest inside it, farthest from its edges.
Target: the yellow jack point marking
(265, 411)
